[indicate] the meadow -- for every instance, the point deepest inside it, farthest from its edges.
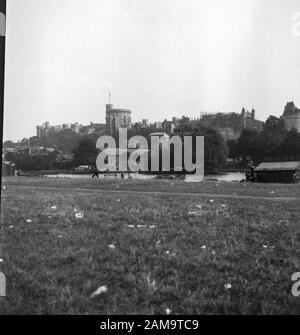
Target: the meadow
(152, 247)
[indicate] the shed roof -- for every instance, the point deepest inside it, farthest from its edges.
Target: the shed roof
(278, 166)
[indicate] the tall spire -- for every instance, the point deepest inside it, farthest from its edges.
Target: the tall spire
(109, 98)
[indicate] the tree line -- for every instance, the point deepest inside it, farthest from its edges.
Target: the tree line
(215, 150)
(273, 143)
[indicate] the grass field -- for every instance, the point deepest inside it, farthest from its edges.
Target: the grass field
(210, 248)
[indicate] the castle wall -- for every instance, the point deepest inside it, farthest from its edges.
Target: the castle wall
(292, 121)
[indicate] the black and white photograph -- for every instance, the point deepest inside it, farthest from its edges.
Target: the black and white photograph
(150, 160)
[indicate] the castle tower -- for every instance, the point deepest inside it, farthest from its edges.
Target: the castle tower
(243, 117)
(291, 116)
(243, 112)
(116, 118)
(38, 131)
(109, 106)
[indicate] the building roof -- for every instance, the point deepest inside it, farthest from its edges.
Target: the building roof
(290, 109)
(278, 166)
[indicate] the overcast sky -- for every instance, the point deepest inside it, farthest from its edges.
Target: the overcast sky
(160, 58)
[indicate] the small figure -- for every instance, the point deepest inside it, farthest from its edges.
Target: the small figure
(95, 173)
(250, 172)
(296, 177)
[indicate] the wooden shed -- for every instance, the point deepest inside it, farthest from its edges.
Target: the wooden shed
(278, 172)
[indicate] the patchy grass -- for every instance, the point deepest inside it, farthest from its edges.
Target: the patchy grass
(152, 185)
(170, 251)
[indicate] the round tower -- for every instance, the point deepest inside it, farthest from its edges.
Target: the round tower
(109, 107)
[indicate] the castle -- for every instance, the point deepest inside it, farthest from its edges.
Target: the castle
(231, 125)
(116, 118)
(248, 118)
(291, 116)
(45, 129)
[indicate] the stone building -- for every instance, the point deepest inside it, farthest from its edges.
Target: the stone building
(46, 129)
(231, 125)
(248, 118)
(117, 118)
(291, 116)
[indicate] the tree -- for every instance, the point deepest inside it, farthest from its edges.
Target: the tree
(85, 153)
(290, 147)
(271, 138)
(215, 150)
(274, 125)
(246, 145)
(64, 140)
(185, 126)
(274, 143)
(8, 144)
(26, 162)
(9, 156)
(232, 149)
